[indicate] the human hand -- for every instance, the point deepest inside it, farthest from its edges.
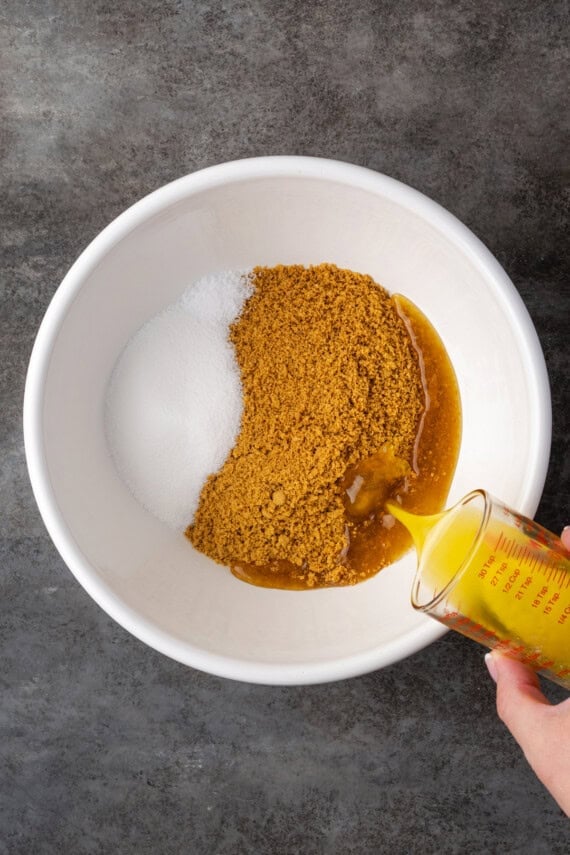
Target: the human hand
(541, 729)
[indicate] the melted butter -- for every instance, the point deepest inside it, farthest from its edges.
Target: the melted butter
(367, 486)
(278, 574)
(374, 538)
(379, 540)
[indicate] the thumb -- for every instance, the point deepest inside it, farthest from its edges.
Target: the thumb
(520, 703)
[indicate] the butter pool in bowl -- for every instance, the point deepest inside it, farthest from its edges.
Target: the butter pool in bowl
(269, 211)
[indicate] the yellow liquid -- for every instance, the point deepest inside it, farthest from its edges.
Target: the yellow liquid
(504, 582)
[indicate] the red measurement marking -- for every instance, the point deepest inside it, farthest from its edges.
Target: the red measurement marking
(518, 650)
(499, 542)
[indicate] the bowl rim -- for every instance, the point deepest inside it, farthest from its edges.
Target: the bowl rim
(236, 171)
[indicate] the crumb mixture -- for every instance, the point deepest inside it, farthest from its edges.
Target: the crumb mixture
(330, 377)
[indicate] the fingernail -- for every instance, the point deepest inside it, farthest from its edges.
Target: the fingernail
(491, 666)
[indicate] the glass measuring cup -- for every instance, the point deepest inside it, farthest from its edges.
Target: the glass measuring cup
(496, 577)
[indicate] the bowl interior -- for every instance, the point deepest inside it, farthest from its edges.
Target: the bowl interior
(149, 577)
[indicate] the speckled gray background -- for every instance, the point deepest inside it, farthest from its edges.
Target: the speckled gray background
(106, 746)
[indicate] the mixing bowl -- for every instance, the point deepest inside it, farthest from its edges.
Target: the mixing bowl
(236, 215)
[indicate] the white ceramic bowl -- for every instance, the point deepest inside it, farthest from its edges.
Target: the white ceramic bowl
(268, 211)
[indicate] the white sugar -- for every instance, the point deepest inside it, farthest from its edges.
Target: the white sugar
(174, 402)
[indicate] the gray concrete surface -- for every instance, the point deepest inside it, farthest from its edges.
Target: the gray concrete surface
(106, 746)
